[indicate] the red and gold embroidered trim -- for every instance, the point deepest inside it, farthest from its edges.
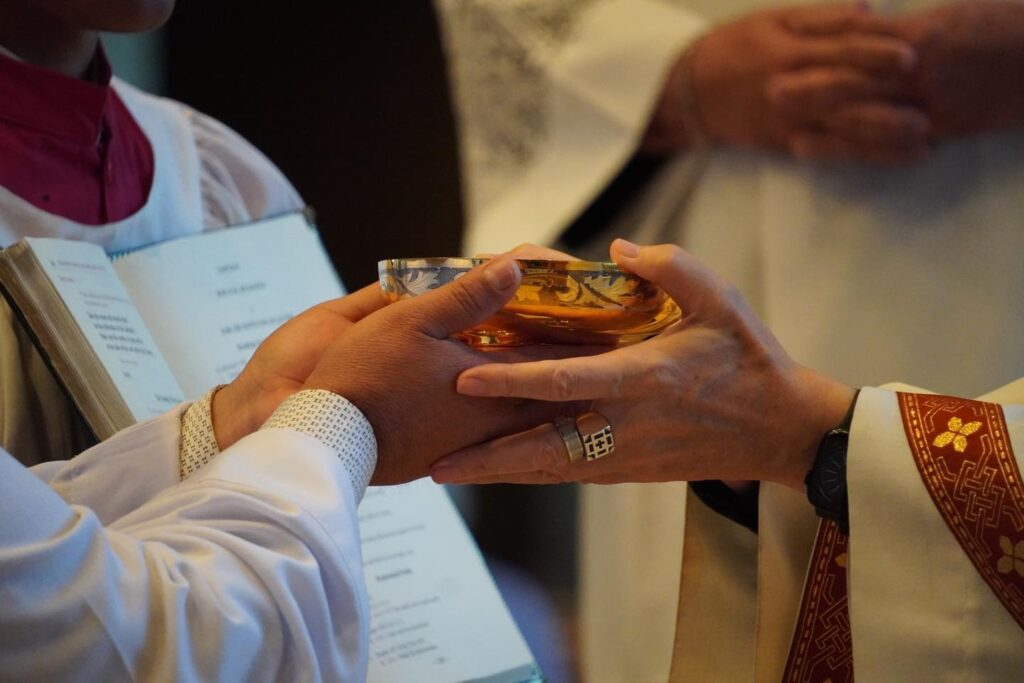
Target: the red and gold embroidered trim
(822, 649)
(965, 458)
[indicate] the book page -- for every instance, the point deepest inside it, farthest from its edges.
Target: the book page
(113, 326)
(210, 299)
(436, 614)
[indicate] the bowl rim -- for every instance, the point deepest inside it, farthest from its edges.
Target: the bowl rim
(526, 265)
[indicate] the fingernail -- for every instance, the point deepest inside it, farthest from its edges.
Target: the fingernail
(445, 474)
(626, 248)
(470, 386)
(500, 273)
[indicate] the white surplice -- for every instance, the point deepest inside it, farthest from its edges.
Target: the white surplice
(112, 570)
(862, 272)
(206, 177)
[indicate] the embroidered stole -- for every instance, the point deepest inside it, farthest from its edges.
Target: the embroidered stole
(822, 649)
(963, 453)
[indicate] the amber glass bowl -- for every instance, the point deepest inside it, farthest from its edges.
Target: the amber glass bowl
(562, 302)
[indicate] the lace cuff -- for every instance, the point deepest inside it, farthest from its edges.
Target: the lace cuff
(325, 416)
(335, 422)
(198, 441)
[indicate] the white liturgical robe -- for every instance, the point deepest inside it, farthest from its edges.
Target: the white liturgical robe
(859, 271)
(935, 559)
(113, 570)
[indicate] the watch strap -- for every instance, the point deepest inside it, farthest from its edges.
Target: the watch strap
(826, 480)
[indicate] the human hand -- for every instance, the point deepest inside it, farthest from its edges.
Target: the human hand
(282, 363)
(399, 366)
(971, 57)
(850, 114)
(820, 82)
(714, 397)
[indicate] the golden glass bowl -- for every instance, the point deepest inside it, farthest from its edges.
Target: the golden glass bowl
(566, 302)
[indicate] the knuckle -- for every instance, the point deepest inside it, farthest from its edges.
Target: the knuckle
(551, 454)
(676, 253)
(466, 297)
(730, 293)
(618, 383)
(665, 374)
(564, 382)
(507, 382)
(666, 257)
(733, 301)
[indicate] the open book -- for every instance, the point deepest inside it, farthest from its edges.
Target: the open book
(132, 336)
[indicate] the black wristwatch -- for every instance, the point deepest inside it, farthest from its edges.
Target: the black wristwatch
(826, 481)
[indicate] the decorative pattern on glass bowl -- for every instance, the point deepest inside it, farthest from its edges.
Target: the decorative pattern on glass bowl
(561, 302)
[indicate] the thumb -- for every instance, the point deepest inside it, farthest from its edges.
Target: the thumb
(469, 300)
(693, 286)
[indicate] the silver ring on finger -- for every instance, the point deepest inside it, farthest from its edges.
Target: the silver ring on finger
(566, 428)
(594, 430)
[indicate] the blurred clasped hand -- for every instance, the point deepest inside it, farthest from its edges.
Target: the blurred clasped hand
(823, 82)
(840, 83)
(713, 397)
(970, 58)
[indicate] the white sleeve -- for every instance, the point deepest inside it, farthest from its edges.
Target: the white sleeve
(251, 570)
(118, 475)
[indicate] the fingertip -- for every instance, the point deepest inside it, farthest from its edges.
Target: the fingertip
(470, 386)
(624, 249)
(501, 273)
(445, 473)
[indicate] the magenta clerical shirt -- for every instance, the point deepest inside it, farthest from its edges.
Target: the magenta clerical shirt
(70, 146)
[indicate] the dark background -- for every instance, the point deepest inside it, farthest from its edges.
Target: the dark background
(349, 99)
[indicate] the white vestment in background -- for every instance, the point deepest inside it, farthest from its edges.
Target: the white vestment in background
(205, 177)
(864, 273)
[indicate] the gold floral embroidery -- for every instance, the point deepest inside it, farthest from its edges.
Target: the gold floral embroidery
(957, 434)
(529, 293)
(842, 560)
(1013, 556)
